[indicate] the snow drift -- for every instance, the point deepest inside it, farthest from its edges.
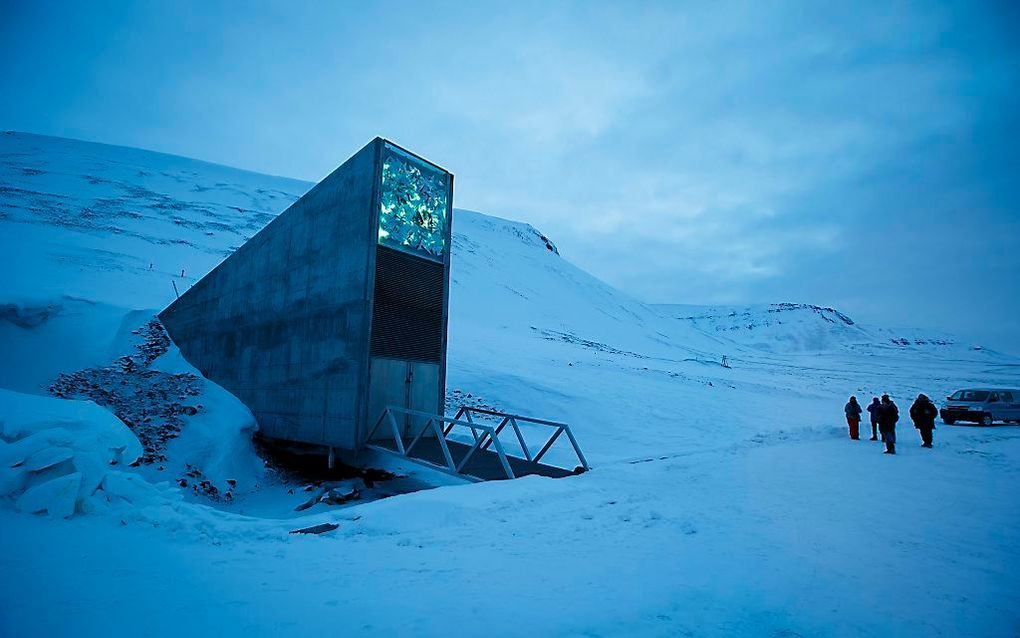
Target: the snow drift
(61, 457)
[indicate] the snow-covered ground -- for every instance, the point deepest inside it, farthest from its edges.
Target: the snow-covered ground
(724, 500)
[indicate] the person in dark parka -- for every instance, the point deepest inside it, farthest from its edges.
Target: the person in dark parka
(923, 414)
(888, 415)
(873, 410)
(853, 418)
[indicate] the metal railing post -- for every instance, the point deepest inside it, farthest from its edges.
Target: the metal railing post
(420, 435)
(499, 428)
(520, 439)
(469, 418)
(548, 444)
(396, 432)
(443, 446)
(577, 448)
(471, 452)
(502, 459)
(378, 422)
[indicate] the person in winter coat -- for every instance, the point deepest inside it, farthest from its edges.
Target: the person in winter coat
(853, 418)
(923, 414)
(873, 410)
(888, 415)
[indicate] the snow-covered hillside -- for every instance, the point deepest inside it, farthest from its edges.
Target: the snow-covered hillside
(805, 328)
(724, 500)
(92, 232)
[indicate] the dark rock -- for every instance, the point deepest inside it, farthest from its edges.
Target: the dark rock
(321, 528)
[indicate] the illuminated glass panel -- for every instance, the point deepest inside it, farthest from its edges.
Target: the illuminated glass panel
(413, 199)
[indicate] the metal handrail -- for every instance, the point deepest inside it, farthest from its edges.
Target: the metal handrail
(484, 436)
(512, 419)
(433, 421)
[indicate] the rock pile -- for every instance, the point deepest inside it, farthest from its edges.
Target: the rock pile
(456, 398)
(151, 403)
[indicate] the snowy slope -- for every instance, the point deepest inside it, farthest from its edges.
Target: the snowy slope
(98, 237)
(724, 501)
(114, 224)
(92, 232)
(794, 328)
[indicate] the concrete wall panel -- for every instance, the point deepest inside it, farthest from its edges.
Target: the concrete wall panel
(283, 322)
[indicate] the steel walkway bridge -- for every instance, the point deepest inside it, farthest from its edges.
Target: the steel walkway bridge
(443, 443)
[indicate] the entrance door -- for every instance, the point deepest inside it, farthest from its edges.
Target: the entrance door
(412, 385)
(424, 395)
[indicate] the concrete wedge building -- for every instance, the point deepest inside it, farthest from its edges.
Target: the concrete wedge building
(336, 309)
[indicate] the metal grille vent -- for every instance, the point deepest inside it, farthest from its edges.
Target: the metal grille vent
(407, 314)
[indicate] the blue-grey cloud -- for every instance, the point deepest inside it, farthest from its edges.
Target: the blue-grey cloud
(859, 155)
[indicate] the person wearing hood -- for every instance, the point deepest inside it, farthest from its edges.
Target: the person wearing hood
(888, 415)
(853, 417)
(923, 414)
(873, 410)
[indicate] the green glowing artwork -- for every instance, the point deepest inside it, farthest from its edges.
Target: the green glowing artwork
(412, 204)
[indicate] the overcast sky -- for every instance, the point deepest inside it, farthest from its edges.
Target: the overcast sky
(864, 157)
